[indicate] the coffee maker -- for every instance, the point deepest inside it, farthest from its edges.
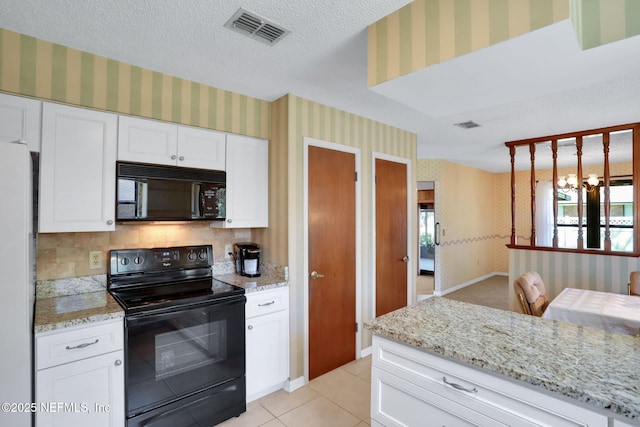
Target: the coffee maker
(247, 256)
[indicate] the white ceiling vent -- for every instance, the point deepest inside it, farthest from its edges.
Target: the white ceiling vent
(256, 27)
(467, 125)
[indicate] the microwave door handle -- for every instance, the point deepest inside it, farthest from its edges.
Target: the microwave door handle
(196, 200)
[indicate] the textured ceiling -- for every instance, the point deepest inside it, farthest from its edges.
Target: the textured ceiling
(325, 59)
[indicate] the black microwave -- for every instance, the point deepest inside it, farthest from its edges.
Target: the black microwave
(147, 192)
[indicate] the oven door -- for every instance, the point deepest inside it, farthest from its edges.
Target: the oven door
(174, 354)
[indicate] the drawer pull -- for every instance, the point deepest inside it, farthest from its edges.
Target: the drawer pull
(458, 386)
(87, 344)
(266, 304)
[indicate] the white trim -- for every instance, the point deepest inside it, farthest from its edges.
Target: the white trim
(366, 352)
(305, 198)
(410, 250)
(293, 385)
(470, 282)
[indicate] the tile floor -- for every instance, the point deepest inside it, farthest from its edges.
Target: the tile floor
(341, 397)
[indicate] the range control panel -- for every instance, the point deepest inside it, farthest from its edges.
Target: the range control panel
(127, 261)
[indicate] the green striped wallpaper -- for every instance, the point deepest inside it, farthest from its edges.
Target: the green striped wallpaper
(40, 69)
(309, 119)
(426, 32)
(599, 22)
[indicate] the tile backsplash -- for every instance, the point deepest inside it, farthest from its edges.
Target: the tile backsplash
(64, 255)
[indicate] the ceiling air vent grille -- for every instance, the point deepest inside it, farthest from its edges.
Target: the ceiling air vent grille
(256, 27)
(467, 125)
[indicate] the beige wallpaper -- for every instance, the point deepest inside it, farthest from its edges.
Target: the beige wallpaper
(472, 234)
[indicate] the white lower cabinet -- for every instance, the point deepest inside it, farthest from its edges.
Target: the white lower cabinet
(267, 340)
(410, 387)
(80, 377)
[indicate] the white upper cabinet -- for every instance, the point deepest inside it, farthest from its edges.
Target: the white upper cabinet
(150, 141)
(20, 120)
(247, 183)
(77, 170)
(201, 148)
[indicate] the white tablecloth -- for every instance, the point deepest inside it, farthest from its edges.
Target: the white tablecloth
(603, 310)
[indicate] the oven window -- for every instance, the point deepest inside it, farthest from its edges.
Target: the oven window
(190, 347)
(175, 354)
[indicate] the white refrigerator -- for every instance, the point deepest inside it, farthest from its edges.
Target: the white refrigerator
(17, 290)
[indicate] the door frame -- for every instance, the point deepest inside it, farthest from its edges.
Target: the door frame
(411, 225)
(307, 142)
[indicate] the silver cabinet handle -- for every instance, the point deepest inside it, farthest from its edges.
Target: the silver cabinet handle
(118, 362)
(316, 275)
(250, 327)
(86, 344)
(405, 258)
(458, 386)
(229, 220)
(181, 158)
(266, 303)
(173, 157)
(109, 222)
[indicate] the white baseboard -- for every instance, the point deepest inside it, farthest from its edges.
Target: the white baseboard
(293, 385)
(470, 282)
(366, 351)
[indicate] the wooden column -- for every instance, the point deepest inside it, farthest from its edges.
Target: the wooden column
(512, 153)
(579, 184)
(636, 188)
(554, 154)
(532, 154)
(607, 191)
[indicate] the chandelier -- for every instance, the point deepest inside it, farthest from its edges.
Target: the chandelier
(571, 183)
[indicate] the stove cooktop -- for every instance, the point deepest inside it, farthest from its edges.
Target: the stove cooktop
(163, 296)
(143, 280)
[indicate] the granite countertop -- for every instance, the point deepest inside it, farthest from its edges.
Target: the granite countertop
(254, 284)
(69, 302)
(590, 365)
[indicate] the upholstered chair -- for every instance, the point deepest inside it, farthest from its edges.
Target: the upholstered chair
(531, 293)
(633, 287)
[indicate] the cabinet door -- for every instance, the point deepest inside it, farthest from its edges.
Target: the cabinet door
(247, 182)
(20, 120)
(91, 392)
(200, 148)
(267, 353)
(77, 170)
(147, 141)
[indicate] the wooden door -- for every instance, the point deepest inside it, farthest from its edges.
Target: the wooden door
(391, 236)
(332, 249)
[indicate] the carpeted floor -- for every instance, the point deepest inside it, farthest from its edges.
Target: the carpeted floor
(491, 292)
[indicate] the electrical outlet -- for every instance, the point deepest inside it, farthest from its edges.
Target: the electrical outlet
(228, 249)
(95, 259)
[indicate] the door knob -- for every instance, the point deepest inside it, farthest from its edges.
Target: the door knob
(316, 275)
(405, 258)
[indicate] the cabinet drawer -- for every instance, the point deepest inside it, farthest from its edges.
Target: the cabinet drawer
(499, 398)
(70, 345)
(265, 302)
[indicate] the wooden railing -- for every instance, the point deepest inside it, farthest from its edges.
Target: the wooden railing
(553, 140)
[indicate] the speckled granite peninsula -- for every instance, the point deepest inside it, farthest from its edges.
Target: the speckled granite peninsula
(592, 366)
